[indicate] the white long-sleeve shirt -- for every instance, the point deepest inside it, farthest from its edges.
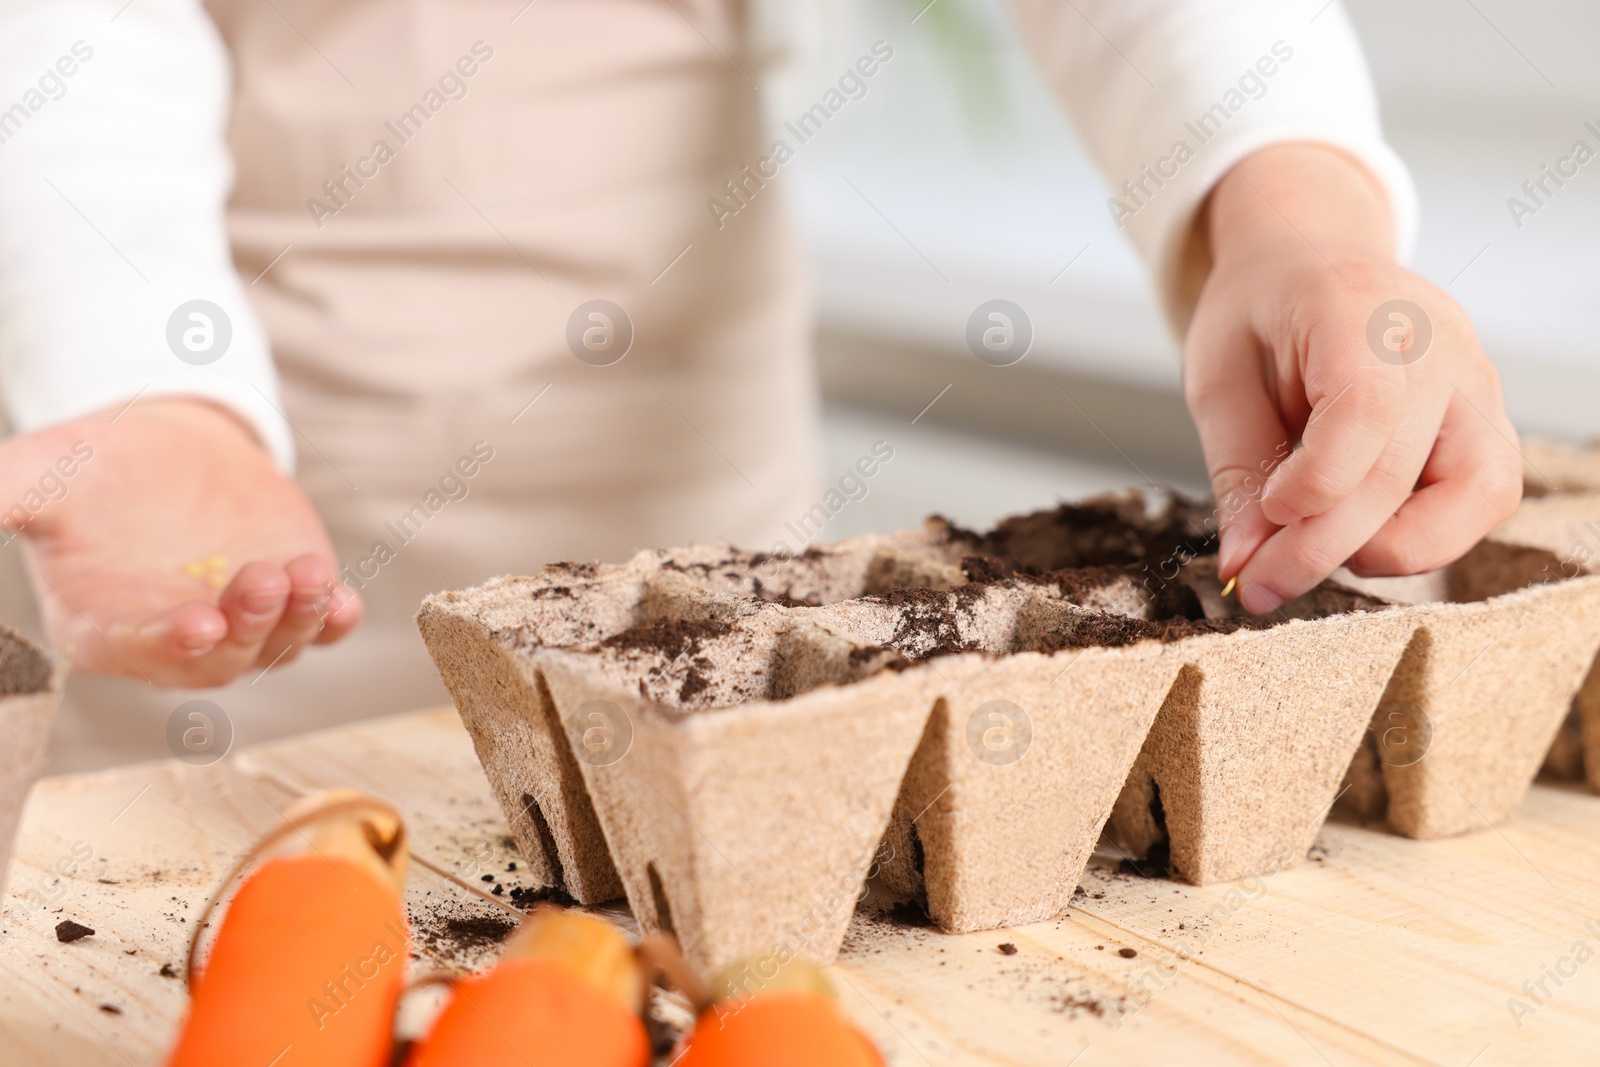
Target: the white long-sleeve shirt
(114, 171)
(1169, 94)
(113, 183)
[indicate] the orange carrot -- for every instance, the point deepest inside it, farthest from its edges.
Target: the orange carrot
(787, 1020)
(566, 995)
(311, 957)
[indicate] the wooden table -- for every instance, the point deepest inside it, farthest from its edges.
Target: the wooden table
(1378, 950)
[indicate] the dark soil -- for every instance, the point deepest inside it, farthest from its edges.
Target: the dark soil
(695, 681)
(930, 620)
(545, 894)
(670, 637)
(460, 935)
(673, 638)
(1078, 584)
(859, 657)
(1174, 600)
(984, 569)
(910, 913)
(1157, 863)
(1114, 631)
(484, 930)
(1093, 533)
(68, 931)
(22, 668)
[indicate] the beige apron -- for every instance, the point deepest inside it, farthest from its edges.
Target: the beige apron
(420, 303)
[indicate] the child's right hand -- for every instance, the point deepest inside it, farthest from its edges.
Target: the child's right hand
(1406, 458)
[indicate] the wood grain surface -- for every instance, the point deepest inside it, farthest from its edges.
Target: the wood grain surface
(1378, 950)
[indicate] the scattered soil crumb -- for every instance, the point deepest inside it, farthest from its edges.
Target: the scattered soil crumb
(1074, 1004)
(167, 971)
(485, 930)
(675, 639)
(525, 899)
(1127, 953)
(463, 937)
(1008, 949)
(68, 931)
(111, 1009)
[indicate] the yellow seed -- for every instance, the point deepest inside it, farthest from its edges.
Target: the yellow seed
(1229, 587)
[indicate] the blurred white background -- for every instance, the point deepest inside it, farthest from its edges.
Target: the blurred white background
(957, 179)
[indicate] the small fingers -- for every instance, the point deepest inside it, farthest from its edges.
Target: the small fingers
(176, 637)
(1300, 555)
(263, 617)
(253, 602)
(1349, 429)
(1244, 439)
(310, 583)
(344, 613)
(199, 644)
(1473, 482)
(1244, 529)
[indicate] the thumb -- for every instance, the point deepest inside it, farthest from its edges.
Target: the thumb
(1244, 439)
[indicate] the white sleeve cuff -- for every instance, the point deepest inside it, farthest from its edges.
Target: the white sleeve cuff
(1171, 94)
